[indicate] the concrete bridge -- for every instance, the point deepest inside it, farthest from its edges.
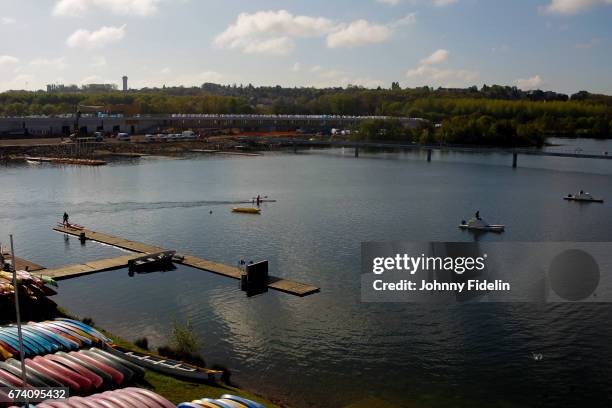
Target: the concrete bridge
(514, 152)
(140, 124)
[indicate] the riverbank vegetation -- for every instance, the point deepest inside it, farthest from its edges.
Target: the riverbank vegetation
(171, 388)
(491, 115)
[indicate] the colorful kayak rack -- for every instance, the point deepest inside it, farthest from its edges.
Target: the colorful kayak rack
(226, 401)
(49, 337)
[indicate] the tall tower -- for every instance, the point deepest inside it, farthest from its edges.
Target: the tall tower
(125, 85)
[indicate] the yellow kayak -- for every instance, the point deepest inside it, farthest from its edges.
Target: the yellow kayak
(246, 210)
(5, 354)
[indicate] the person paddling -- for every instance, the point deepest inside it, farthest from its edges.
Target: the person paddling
(65, 219)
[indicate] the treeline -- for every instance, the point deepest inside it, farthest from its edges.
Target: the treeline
(481, 131)
(492, 114)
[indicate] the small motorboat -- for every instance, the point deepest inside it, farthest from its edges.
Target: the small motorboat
(152, 262)
(246, 210)
(476, 224)
(583, 198)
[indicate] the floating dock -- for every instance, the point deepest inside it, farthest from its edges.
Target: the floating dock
(280, 284)
(73, 271)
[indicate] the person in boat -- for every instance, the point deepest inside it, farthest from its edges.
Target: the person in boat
(581, 192)
(478, 215)
(258, 200)
(65, 219)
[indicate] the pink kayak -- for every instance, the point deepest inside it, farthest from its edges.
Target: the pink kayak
(83, 381)
(95, 379)
(117, 376)
(153, 397)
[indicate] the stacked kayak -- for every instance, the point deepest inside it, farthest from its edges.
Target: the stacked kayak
(125, 398)
(49, 337)
(31, 285)
(226, 401)
(83, 372)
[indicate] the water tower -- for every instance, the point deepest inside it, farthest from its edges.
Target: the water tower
(125, 84)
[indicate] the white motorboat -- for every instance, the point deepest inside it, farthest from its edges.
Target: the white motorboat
(477, 224)
(583, 197)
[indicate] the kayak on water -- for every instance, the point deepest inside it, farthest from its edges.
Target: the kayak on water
(246, 210)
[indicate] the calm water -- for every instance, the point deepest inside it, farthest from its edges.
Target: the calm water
(330, 349)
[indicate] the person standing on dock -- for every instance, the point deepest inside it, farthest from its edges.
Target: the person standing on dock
(65, 219)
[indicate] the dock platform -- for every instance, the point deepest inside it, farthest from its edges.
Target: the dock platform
(280, 284)
(73, 271)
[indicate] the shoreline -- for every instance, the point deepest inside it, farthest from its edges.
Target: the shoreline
(173, 387)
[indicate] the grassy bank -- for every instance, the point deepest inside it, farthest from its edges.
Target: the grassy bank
(178, 391)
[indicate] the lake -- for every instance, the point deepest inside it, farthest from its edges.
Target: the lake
(330, 349)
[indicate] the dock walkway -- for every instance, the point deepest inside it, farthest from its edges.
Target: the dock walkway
(280, 284)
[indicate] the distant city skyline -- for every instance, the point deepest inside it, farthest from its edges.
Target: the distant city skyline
(559, 45)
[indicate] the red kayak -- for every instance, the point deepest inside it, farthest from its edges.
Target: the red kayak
(121, 401)
(10, 378)
(84, 382)
(73, 385)
(153, 396)
(71, 226)
(117, 376)
(95, 379)
(144, 401)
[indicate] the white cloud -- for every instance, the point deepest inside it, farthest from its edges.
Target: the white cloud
(92, 79)
(358, 33)
(95, 39)
(427, 73)
(57, 63)
(165, 71)
(21, 81)
(436, 58)
(208, 76)
(406, 20)
(444, 77)
(98, 62)
(7, 20)
(247, 32)
(8, 59)
(321, 77)
(570, 7)
(75, 8)
(297, 67)
(271, 46)
(530, 83)
(273, 32)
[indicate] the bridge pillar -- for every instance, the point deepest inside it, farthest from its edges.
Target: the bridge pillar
(514, 160)
(429, 155)
(356, 151)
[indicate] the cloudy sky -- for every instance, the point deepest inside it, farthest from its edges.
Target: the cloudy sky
(563, 45)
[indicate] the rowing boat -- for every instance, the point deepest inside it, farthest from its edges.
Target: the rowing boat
(583, 198)
(479, 225)
(152, 262)
(169, 367)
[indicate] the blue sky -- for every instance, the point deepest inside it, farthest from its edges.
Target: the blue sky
(563, 45)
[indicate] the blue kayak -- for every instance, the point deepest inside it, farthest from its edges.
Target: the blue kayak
(243, 401)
